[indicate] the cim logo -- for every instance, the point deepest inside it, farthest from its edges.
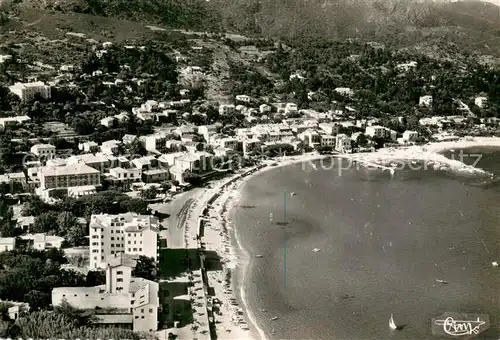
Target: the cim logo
(460, 324)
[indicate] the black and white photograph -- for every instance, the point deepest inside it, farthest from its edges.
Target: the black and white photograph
(249, 169)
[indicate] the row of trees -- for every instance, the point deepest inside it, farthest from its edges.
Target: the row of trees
(107, 202)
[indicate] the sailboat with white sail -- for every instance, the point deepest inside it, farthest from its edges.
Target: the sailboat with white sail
(392, 324)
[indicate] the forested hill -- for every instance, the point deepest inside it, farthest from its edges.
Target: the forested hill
(472, 23)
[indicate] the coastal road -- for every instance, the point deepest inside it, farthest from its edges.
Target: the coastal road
(178, 210)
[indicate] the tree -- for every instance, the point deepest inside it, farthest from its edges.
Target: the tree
(145, 268)
(137, 148)
(362, 140)
(37, 299)
(65, 221)
(191, 178)
(165, 186)
(46, 222)
(150, 193)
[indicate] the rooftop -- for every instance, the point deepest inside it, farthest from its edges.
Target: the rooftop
(65, 170)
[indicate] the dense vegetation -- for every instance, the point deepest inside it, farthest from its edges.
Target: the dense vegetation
(30, 275)
(64, 322)
(379, 86)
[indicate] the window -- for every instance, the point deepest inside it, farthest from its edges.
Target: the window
(151, 310)
(112, 238)
(137, 316)
(142, 317)
(140, 249)
(142, 310)
(135, 249)
(120, 272)
(129, 242)
(119, 279)
(112, 252)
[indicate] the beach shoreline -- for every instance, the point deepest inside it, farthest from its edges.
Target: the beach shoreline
(218, 202)
(212, 208)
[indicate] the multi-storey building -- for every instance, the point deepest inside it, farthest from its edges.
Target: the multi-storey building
(66, 176)
(343, 143)
(129, 233)
(28, 91)
(46, 151)
(124, 301)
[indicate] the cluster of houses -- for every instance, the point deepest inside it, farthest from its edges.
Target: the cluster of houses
(50, 176)
(115, 244)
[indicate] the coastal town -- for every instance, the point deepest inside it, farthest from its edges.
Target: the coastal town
(130, 202)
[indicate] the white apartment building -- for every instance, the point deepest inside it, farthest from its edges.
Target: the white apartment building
(228, 143)
(345, 91)
(226, 109)
(410, 136)
(425, 101)
(128, 233)
(46, 151)
(327, 140)
(481, 101)
(208, 130)
(125, 175)
(310, 137)
(68, 176)
(291, 107)
(27, 91)
(156, 142)
(134, 301)
(107, 121)
(264, 108)
(251, 144)
(343, 143)
(88, 146)
(375, 131)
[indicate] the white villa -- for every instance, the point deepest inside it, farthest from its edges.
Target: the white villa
(124, 301)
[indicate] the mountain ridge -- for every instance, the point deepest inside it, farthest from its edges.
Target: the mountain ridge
(389, 21)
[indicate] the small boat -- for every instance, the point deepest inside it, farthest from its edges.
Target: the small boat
(392, 324)
(293, 193)
(494, 264)
(275, 318)
(442, 282)
(270, 217)
(258, 256)
(316, 250)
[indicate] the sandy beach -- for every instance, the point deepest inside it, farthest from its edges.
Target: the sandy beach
(429, 154)
(211, 206)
